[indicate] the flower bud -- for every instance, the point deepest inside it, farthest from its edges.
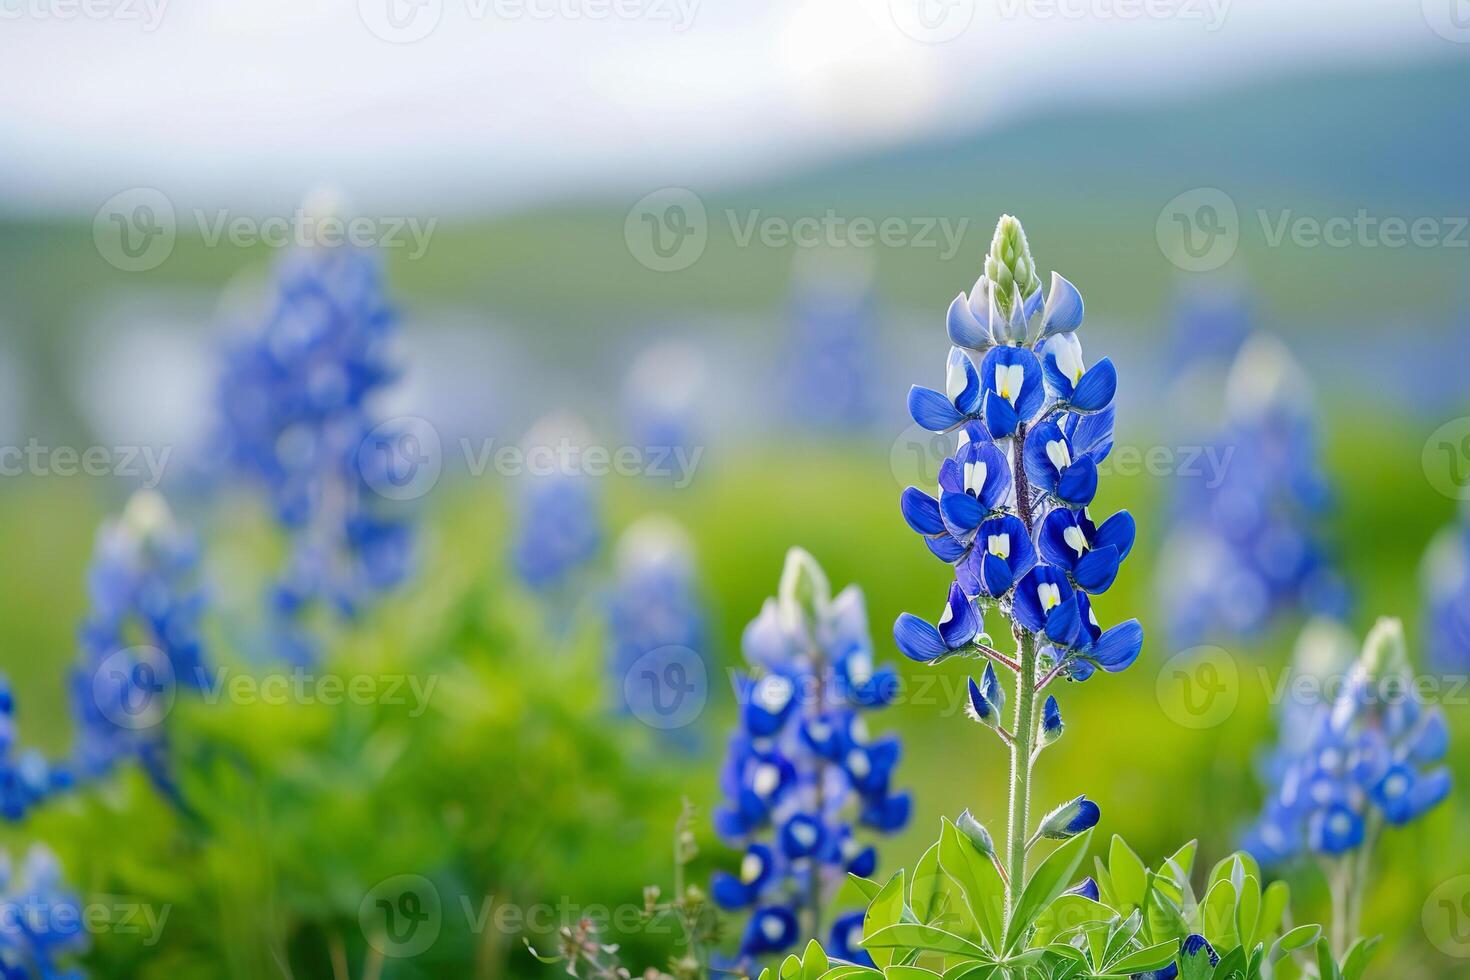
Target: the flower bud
(1070, 819)
(1009, 266)
(1051, 725)
(976, 833)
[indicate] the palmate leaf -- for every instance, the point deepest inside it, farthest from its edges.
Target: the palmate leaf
(1066, 915)
(1154, 957)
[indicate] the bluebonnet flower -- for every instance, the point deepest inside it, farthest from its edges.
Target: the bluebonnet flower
(1033, 422)
(26, 777)
(663, 395)
(295, 400)
(1446, 584)
(833, 355)
(1368, 761)
(558, 527)
(654, 607)
(802, 776)
(40, 920)
(140, 642)
(1245, 546)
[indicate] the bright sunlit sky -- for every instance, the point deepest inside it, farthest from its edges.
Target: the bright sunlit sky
(504, 102)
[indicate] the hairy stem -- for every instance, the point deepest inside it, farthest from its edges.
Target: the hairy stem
(1025, 721)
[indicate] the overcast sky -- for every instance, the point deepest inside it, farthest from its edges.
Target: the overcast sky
(422, 105)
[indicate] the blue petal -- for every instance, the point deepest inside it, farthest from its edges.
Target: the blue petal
(917, 639)
(967, 398)
(990, 687)
(1052, 539)
(1033, 393)
(946, 548)
(889, 814)
(931, 410)
(1092, 435)
(996, 575)
(730, 892)
(1118, 647)
(1096, 570)
(959, 624)
(1117, 532)
(980, 708)
(1039, 468)
(1087, 888)
(1096, 388)
(997, 473)
(951, 475)
(1063, 311)
(1063, 622)
(921, 511)
(1058, 385)
(965, 328)
(1432, 740)
(1000, 416)
(962, 513)
(1078, 485)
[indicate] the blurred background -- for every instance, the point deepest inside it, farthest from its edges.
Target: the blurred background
(715, 242)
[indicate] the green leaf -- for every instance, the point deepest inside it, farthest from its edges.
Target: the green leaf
(813, 961)
(884, 910)
(1128, 874)
(972, 971)
(1166, 919)
(1180, 864)
(929, 888)
(851, 971)
(1066, 914)
(908, 935)
(1326, 966)
(1298, 938)
(1049, 880)
(790, 968)
(985, 892)
(1358, 956)
(1273, 909)
(1248, 911)
(909, 973)
(1155, 957)
(867, 886)
(1232, 962)
(1218, 912)
(1122, 935)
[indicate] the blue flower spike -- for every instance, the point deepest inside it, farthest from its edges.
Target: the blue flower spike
(1350, 770)
(803, 783)
(1033, 421)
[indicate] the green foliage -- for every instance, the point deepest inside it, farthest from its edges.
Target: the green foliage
(947, 923)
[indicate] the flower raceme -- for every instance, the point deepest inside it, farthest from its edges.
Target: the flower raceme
(802, 776)
(1033, 422)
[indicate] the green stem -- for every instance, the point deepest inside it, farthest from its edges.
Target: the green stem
(1021, 764)
(1025, 723)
